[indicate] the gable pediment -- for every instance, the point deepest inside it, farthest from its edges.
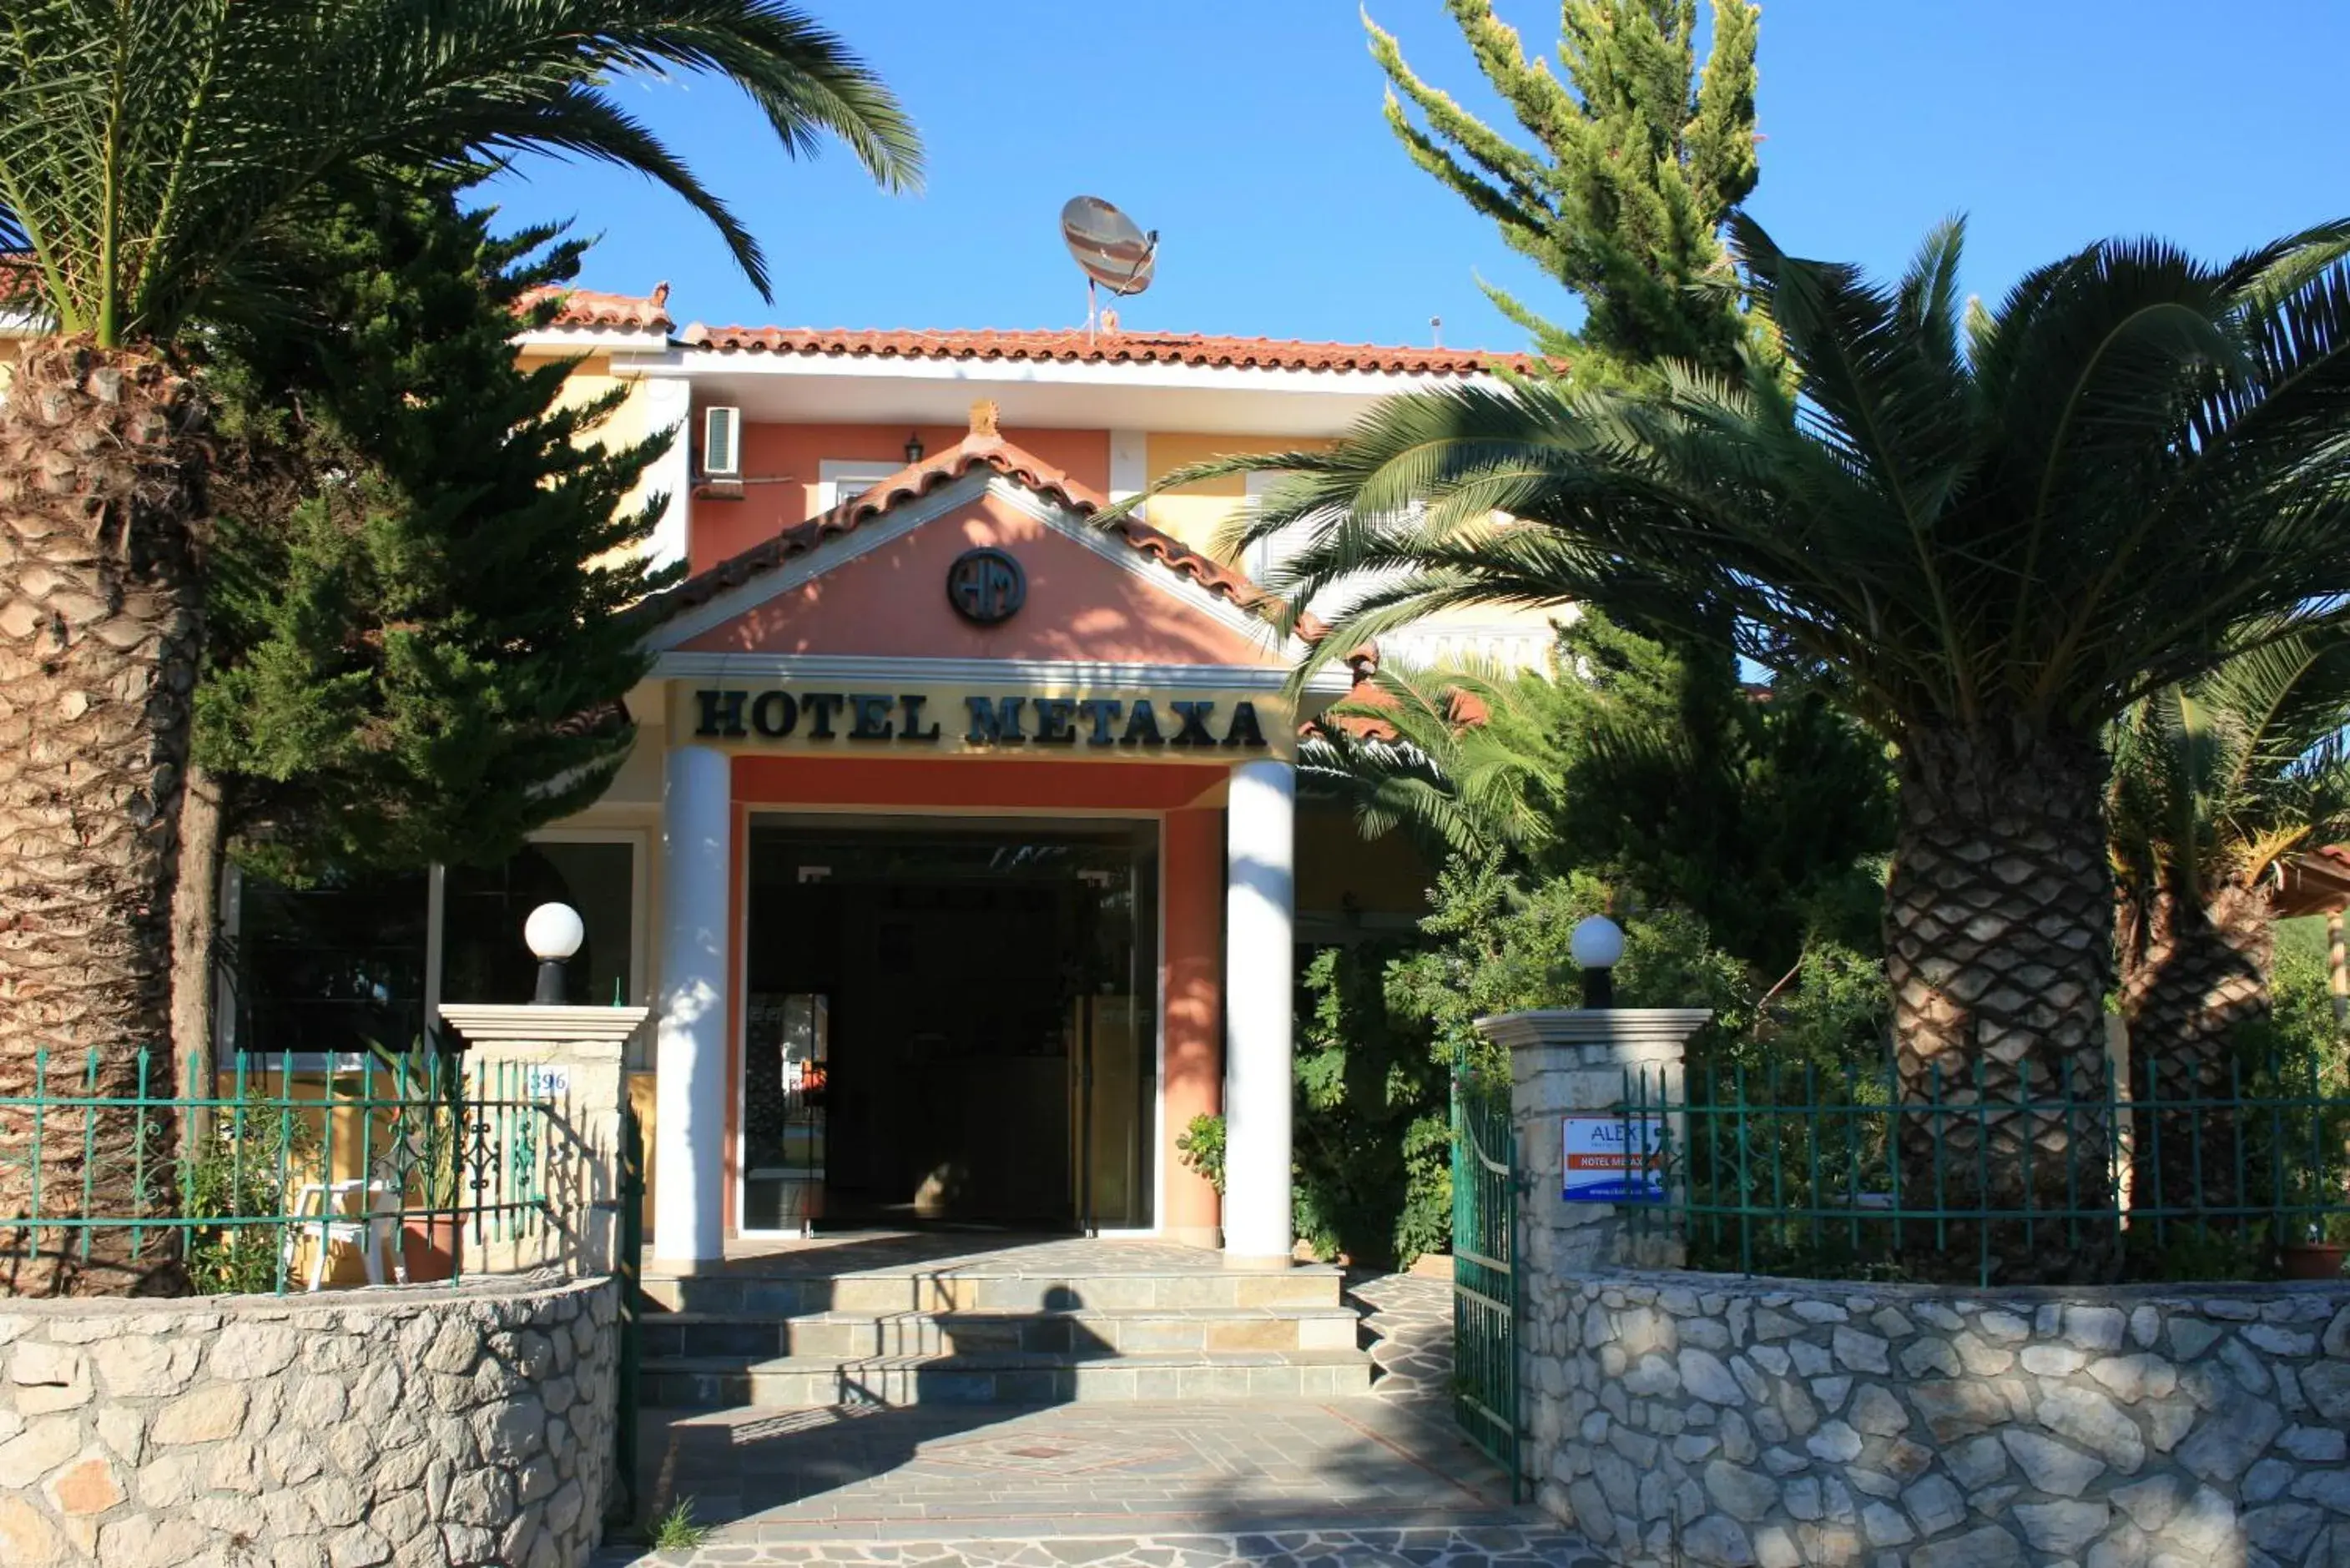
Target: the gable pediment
(870, 581)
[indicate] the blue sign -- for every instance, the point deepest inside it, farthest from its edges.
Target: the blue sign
(1613, 1160)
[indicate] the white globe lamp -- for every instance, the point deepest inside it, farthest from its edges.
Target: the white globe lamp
(1596, 945)
(552, 933)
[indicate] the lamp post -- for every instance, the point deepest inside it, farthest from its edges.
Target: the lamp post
(554, 932)
(1597, 947)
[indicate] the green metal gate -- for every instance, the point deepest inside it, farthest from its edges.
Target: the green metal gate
(1484, 1250)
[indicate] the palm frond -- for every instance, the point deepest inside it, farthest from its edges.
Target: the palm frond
(2215, 780)
(1461, 755)
(2015, 519)
(148, 152)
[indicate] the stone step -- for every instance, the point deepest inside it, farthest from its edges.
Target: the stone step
(795, 1382)
(802, 1295)
(849, 1335)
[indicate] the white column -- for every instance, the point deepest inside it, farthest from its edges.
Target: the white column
(690, 1127)
(1260, 908)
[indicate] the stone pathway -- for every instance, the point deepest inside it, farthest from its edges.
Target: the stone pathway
(1407, 1327)
(1382, 1482)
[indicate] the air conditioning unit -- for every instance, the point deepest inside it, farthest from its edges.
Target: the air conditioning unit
(721, 443)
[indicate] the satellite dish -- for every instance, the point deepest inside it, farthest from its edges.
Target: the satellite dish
(1112, 252)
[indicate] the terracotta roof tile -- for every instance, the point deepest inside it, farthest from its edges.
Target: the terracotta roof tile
(1108, 348)
(593, 308)
(919, 479)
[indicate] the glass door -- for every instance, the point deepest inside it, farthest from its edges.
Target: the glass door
(787, 1041)
(950, 1022)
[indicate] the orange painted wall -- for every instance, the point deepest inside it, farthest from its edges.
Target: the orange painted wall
(1192, 873)
(1191, 1036)
(783, 468)
(891, 601)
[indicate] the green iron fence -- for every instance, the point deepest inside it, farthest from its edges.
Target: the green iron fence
(412, 1160)
(1484, 1269)
(1793, 1170)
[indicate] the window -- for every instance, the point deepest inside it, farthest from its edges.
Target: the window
(482, 958)
(336, 966)
(1265, 554)
(845, 478)
(353, 961)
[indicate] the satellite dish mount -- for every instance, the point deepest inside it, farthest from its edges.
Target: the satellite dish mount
(1109, 249)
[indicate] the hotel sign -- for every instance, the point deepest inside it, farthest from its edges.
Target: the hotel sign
(1130, 724)
(1613, 1160)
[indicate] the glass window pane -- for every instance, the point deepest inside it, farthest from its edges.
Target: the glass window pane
(334, 966)
(482, 908)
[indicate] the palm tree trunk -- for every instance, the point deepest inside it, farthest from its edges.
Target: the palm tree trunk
(2191, 976)
(100, 617)
(1999, 946)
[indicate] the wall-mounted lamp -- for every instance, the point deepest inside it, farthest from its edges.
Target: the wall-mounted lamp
(914, 448)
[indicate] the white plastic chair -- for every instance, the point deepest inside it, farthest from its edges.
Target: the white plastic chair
(358, 1213)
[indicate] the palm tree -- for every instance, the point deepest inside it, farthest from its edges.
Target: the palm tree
(155, 160)
(2217, 780)
(1984, 532)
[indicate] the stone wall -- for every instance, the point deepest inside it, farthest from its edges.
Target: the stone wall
(1721, 1420)
(422, 1428)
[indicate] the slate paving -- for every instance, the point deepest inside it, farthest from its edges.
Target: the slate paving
(1408, 1328)
(1377, 1482)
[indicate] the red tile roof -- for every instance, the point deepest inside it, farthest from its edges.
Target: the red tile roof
(1107, 348)
(593, 308)
(981, 447)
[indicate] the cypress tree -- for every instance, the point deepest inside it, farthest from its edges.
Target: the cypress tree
(416, 650)
(1759, 814)
(1637, 159)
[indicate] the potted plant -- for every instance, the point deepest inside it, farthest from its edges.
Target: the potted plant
(426, 1162)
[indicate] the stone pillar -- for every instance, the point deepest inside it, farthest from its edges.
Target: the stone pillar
(1259, 974)
(571, 1057)
(1569, 1061)
(1564, 1062)
(690, 1085)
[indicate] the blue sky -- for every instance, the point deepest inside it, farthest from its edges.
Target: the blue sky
(1248, 133)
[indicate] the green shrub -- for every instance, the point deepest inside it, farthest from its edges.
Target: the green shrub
(1202, 1146)
(249, 1165)
(1381, 1027)
(1372, 1134)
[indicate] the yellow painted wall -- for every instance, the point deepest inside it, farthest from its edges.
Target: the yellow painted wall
(593, 377)
(1339, 868)
(1194, 513)
(640, 1101)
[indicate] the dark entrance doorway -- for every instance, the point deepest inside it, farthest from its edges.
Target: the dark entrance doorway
(950, 1024)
